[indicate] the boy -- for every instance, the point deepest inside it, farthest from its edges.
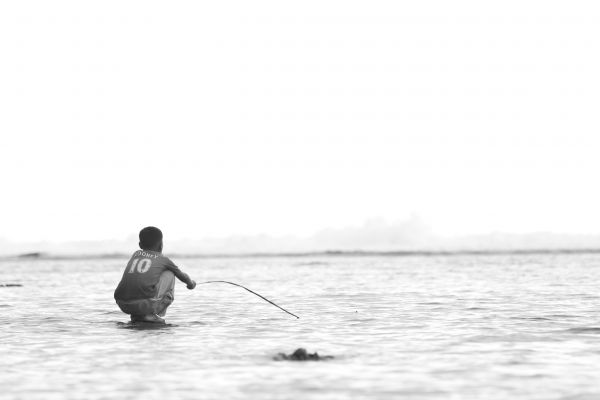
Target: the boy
(148, 282)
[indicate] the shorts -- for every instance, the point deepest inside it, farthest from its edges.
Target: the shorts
(156, 305)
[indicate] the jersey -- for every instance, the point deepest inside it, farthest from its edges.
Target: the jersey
(141, 275)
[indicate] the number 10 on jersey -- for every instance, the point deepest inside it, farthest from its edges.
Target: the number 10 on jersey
(142, 265)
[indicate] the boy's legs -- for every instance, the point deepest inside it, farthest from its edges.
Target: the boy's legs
(151, 309)
(165, 292)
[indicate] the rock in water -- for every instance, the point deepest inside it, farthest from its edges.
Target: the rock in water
(301, 355)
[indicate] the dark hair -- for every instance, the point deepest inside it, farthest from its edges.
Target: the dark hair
(150, 237)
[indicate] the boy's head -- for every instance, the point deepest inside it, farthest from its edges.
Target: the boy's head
(151, 239)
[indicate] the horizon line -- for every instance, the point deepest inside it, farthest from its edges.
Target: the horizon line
(325, 253)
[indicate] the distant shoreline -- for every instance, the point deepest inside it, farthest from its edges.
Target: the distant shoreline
(329, 253)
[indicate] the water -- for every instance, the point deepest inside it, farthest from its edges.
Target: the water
(457, 327)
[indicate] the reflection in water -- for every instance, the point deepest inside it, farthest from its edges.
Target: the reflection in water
(144, 326)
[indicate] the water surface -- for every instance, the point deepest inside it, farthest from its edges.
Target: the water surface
(454, 327)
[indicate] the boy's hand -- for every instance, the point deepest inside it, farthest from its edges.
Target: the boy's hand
(191, 285)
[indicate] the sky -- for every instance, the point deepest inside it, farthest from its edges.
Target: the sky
(210, 119)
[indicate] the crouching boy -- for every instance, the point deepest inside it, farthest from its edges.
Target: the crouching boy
(147, 286)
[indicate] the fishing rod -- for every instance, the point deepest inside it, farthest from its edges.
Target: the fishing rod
(243, 287)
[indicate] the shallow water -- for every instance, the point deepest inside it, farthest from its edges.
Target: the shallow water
(456, 327)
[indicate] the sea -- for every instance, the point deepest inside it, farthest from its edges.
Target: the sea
(458, 326)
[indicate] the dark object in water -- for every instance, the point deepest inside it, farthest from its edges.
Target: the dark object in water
(301, 355)
(10, 285)
(36, 254)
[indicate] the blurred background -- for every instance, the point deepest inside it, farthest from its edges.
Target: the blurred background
(270, 126)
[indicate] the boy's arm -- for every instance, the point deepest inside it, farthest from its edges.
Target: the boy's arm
(182, 276)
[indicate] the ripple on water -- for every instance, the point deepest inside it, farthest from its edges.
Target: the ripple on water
(585, 329)
(512, 338)
(563, 316)
(533, 318)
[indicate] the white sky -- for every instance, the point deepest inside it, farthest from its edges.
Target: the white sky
(244, 117)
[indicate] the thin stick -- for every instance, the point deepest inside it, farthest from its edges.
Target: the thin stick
(243, 287)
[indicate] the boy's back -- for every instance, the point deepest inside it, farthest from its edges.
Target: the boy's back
(141, 276)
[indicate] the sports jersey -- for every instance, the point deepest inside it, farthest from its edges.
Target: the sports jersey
(141, 275)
